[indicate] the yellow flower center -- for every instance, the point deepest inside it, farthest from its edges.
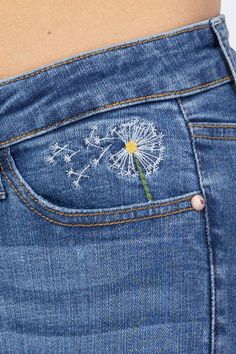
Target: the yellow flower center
(131, 146)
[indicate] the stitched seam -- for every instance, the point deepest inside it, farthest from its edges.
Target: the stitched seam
(89, 214)
(208, 238)
(135, 99)
(227, 55)
(113, 48)
(95, 224)
(202, 125)
(214, 137)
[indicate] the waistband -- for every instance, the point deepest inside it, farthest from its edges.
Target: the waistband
(181, 62)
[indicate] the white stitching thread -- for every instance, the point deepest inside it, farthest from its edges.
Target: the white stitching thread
(80, 174)
(56, 150)
(94, 140)
(68, 157)
(141, 152)
(142, 141)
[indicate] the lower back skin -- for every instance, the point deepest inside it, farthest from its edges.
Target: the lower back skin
(36, 33)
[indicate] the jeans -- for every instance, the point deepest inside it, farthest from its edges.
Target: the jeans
(117, 199)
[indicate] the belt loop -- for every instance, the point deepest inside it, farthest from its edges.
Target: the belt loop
(220, 29)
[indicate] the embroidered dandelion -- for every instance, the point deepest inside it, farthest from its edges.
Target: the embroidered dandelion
(136, 150)
(141, 152)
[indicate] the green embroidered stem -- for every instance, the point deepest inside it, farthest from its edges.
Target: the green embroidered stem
(143, 179)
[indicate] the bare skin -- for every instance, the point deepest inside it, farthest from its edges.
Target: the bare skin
(36, 33)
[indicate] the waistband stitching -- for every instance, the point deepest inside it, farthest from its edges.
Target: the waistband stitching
(135, 99)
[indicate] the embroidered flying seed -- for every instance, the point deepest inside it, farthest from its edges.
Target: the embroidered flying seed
(95, 140)
(92, 139)
(96, 161)
(68, 157)
(80, 174)
(56, 149)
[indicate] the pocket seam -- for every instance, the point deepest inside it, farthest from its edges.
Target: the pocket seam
(117, 222)
(131, 209)
(213, 125)
(214, 137)
(200, 130)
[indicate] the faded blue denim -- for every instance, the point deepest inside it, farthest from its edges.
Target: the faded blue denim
(101, 250)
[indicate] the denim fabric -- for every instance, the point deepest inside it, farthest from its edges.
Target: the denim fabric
(101, 248)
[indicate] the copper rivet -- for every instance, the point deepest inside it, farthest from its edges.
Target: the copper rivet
(198, 202)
